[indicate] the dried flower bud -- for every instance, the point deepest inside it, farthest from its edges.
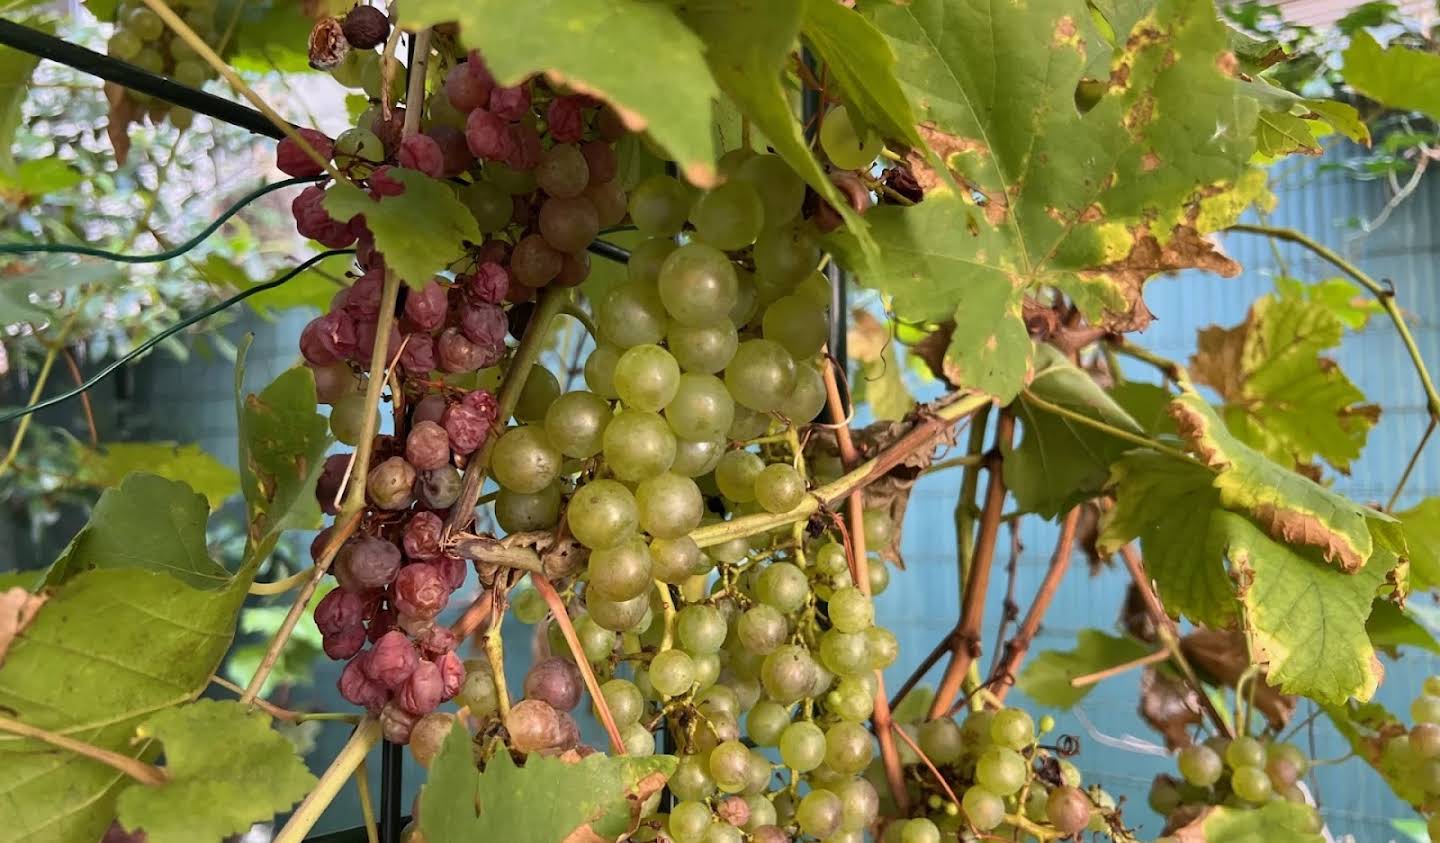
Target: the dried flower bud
(328, 46)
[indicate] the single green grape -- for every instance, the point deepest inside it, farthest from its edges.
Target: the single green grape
(518, 512)
(1251, 783)
(1012, 727)
(602, 514)
(779, 488)
(851, 610)
(819, 813)
(688, 821)
(701, 628)
(647, 378)
(786, 255)
(638, 445)
(789, 673)
(703, 349)
(600, 371)
(807, 399)
(730, 766)
(697, 457)
(670, 505)
(697, 285)
(700, 407)
(919, 830)
(672, 672)
(645, 259)
(575, 423)
(736, 473)
(729, 217)
(539, 392)
(761, 375)
(766, 722)
(844, 145)
(781, 191)
(1245, 751)
(783, 586)
(659, 206)
(674, 561)
(983, 808)
(848, 748)
(523, 460)
(1199, 765)
(797, 325)
(1001, 770)
(630, 315)
(940, 740)
(621, 572)
(625, 701)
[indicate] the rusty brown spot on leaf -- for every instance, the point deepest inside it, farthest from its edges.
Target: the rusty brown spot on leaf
(1187, 249)
(1065, 31)
(1216, 362)
(945, 146)
(1227, 63)
(1150, 162)
(18, 608)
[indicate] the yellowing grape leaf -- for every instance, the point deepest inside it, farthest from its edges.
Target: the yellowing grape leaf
(145, 522)
(1421, 525)
(1272, 822)
(1046, 676)
(1291, 507)
(1390, 627)
(1060, 462)
(1308, 617)
(108, 650)
(421, 231)
(282, 449)
(1369, 728)
(747, 44)
(107, 465)
(1171, 507)
(213, 793)
(634, 55)
(1399, 77)
(1069, 198)
(1280, 395)
(544, 801)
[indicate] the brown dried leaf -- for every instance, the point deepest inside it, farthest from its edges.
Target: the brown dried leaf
(1220, 656)
(1186, 249)
(117, 124)
(1217, 360)
(1170, 706)
(17, 609)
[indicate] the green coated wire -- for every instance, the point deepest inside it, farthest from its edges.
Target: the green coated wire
(167, 333)
(90, 251)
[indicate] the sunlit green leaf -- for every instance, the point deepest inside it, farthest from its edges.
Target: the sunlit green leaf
(108, 464)
(1395, 76)
(421, 231)
(1046, 676)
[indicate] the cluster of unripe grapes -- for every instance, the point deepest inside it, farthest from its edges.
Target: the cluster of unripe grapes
(1414, 756)
(142, 39)
(1240, 773)
(1008, 782)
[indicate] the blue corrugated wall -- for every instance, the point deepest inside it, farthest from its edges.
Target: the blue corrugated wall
(920, 604)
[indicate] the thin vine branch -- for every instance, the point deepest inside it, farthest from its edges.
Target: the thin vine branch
(1382, 293)
(966, 644)
(1087, 679)
(132, 767)
(153, 257)
(350, 757)
(1002, 677)
(1410, 465)
(140, 349)
(1104, 427)
(860, 565)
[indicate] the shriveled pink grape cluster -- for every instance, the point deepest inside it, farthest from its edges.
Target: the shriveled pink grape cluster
(536, 169)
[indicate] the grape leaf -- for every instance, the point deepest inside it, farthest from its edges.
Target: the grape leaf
(46, 275)
(635, 55)
(1369, 727)
(1148, 405)
(1281, 395)
(1308, 619)
(1338, 295)
(282, 450)
(1069, 197)
(1060, 462)
(32, 180)
(210, 795)
(1280, 133)
(421, 231)
(145, 522)
(747, 44)
(457, 802)
(107, 466)
(1398, 77)
(110, 649)
(1171, 507)
(1278, 820)
(863, 67)
(313, 288)
(1391, 627)
(1421, 525)
(1291, 507)
(1046, 677)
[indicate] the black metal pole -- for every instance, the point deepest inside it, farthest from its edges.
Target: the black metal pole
(392, 764)
(47, 46)
(839, 308)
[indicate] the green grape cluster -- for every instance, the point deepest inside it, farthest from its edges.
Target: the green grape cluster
(142, 39)
(1245, 772)
(1010, 784)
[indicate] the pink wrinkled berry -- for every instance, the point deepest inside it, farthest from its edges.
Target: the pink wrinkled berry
(396, 722)
(484, 324)
(489, 283)
(488, 136)
(357, 687)
(392, 660)
(467, 428)
(418, 356)
(338, 611)
(526, 150)
(345, 643)
(452, 673)
(422, 533)
(423, 691)
(465, 90)
(510, 103)
(421, 152)
(420, 591)
(565, 119)
(291, 160)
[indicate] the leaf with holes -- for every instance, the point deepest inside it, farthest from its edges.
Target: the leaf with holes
(145, 522)
(108, 465)
(211, 795)
(1391, 627)
(1046, 677)
(420, 231)
(609, 48)
(1061, 462)
(127, 643)
(282, 450)
(599, 793)
(1281, 396)
(1069, 197)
